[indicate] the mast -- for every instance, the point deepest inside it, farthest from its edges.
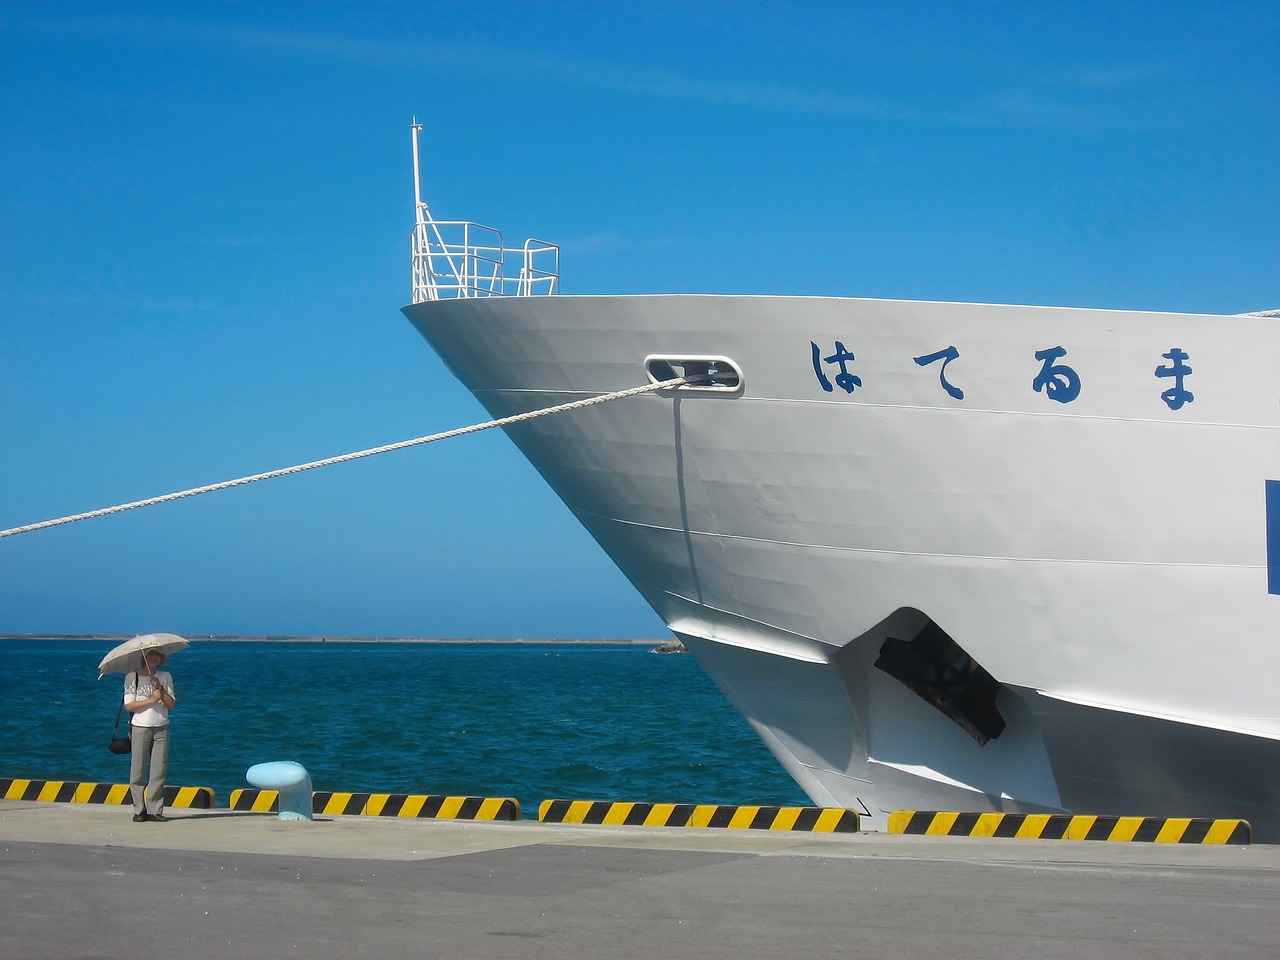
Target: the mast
(423, 285)
(415, 126)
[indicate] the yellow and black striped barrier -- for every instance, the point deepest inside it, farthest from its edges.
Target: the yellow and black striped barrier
(813, 819)
(69, 791)
(1045, 826)
(424, 806)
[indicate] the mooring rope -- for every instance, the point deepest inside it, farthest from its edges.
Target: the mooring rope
(448, 434)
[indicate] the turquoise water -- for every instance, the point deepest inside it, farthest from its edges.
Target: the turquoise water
(530, 721)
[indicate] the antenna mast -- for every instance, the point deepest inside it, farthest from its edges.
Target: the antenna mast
(423, 286)
(415, 126)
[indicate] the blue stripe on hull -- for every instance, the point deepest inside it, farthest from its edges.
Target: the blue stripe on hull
(1273, 536)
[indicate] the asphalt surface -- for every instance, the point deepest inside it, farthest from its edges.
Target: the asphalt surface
(84, 881)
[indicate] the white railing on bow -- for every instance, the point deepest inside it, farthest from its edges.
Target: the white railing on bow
(454, 259)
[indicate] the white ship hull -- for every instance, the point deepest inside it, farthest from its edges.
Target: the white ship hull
(1103, 557)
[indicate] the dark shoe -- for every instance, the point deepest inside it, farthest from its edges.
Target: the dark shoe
(139, 818)
(158, 817)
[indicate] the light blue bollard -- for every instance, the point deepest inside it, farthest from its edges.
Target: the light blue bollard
(290, 780)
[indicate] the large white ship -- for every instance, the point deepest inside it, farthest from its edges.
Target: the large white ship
(941, 556)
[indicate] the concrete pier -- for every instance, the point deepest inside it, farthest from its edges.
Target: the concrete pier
(84, 880)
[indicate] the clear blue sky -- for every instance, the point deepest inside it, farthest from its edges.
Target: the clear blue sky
(204, 223)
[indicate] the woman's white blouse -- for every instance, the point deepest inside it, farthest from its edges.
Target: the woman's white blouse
(138, 686)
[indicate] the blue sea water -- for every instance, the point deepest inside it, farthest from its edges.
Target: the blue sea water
(530, 721)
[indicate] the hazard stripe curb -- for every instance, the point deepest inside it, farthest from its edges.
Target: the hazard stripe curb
(1045, 826)
(426, 806)
(812, 819)
(68, 791)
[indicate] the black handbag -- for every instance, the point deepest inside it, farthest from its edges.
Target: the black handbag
(121, 744)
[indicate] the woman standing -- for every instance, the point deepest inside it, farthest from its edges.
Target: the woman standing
(148, 696)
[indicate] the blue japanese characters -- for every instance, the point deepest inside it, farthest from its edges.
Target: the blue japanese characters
(847, 381)
(946, 356)
(1176, 396)
(1057, 381)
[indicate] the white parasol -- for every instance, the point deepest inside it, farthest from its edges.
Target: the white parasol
(128, 655)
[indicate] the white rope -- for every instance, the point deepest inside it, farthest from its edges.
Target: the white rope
(474, 428)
